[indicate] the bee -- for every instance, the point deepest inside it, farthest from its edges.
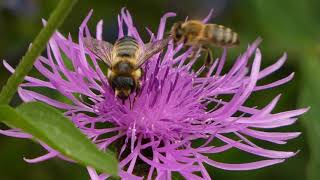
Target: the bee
(198, 35)
(124, 60)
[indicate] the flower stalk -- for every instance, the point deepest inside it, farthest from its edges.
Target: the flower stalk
(55, 20)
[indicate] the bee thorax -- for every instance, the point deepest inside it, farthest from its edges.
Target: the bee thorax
(123, 67)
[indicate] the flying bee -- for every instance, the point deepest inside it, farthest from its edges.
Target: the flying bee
(124, 60)
(199, 35)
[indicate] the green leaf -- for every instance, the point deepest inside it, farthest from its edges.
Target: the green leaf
(51, 127)
(310, 88)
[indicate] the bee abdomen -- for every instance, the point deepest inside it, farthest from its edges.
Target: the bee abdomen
(126, 46)
(221, 36)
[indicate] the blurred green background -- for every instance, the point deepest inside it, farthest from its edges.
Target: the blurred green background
(290, 26)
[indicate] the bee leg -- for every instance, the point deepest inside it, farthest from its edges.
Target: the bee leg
(135, 99)
(138, 89)
(195, 51)
(130, 103)
(209, 56)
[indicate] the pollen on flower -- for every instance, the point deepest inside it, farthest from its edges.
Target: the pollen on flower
(176, 105)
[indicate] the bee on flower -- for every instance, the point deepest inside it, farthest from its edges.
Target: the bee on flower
(170, 111)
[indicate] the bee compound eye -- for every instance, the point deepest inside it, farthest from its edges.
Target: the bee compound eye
(179, 34)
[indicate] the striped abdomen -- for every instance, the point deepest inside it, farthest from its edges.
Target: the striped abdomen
(126, 47)
(221, 36)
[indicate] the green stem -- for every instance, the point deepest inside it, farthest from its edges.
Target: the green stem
(55, 20)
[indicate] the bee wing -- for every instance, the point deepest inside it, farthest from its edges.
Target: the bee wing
(101, 49)
(151, 49)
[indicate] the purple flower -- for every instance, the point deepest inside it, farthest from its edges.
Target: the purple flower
(176, 107)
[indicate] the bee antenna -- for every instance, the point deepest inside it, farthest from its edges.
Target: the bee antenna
(168, 33)
(186, 19)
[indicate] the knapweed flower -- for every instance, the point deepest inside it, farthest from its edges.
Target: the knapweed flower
(177, 106)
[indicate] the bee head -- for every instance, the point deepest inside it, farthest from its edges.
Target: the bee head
(177, 32)
(123, 86)
(123, 94)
